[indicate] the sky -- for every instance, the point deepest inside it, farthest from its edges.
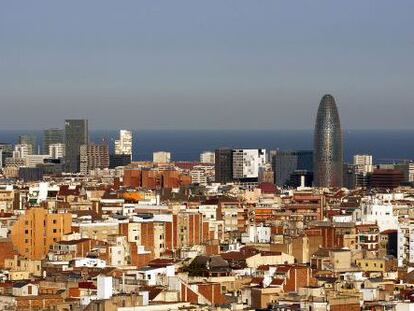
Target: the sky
(215, 64)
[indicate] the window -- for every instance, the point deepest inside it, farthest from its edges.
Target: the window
(54, 230)
(26, 231)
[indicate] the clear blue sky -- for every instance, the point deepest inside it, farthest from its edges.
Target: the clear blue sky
(205, 64)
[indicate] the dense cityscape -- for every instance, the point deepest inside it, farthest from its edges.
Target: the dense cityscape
(83, 228)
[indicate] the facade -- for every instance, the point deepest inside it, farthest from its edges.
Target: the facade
(328, 145)
(246, 164)
(76, 134)
(123, 145)
(93, 156)
(207, 157)
(285, 163)
(241, 165)
(30, 141)
(387, 178)
(51, 137)
(21, 151)
(56, 151)
(116, 160)
(224, 165)
(363, 163)
(161, 157)
(408, 170)
(36, 230)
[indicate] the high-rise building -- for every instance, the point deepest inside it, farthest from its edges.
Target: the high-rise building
(93, 156)
(123, 145)
(328, 145)
(161, 157)
(30, 141)
(22, 151)
(363, 163)
(241, 165)
(6, 151)
(51, 137)
(285, 163)
(57, 151)
(246, 164)
(207, 157)
(407, 167)
(76, 134)
(224, 165)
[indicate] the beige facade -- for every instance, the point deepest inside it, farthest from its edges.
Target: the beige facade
(36, 230)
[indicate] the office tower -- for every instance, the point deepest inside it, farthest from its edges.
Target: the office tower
(387, 178)
(407, 168)
(301, 178)
(123, 145)
(161, 157)
(285, 163)
(224, 165)
(93, 156)
(76, 134)
(51, 137)
(30, 141)
(207, 157)
(246, 164)
(6, 151)
(349, 178)
(57, 151)
(328, 154)
(305, 160)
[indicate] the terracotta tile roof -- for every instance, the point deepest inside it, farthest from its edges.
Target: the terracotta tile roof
(258, 281)
(86, 285)
(277, 282)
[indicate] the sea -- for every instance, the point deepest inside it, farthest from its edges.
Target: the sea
(386, 146)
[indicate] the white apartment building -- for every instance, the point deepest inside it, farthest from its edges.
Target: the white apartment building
(207, 157)
(363, 163)
(161, 157)
(246, 163)
(123, 145)
(22, 150)
(57, 151)
(198, 177)
(405, 251)
(380, 212)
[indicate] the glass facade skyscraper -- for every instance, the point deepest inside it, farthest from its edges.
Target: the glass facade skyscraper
(50, 137)
(328, 145)
(76, 134)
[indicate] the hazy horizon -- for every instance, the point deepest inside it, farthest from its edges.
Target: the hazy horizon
(185, 65)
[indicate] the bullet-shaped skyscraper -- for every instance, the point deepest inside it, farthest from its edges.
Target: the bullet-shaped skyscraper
(328, 145)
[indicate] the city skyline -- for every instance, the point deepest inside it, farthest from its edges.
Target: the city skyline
(210, 66)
